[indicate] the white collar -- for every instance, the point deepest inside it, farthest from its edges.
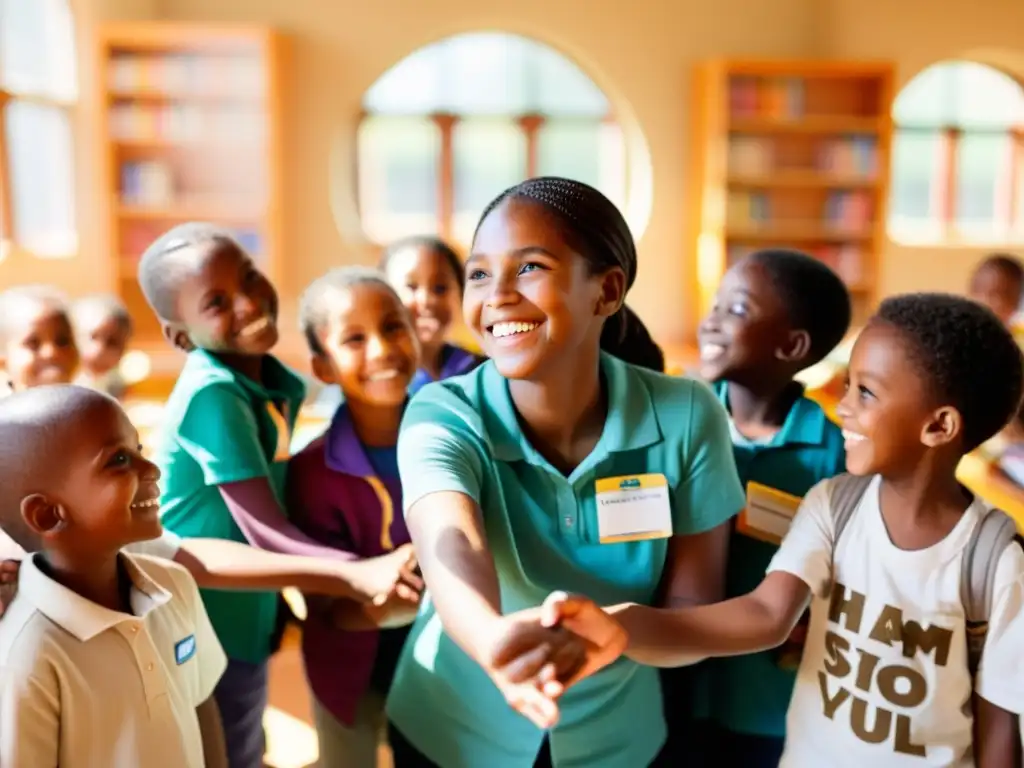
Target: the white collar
(81, 617)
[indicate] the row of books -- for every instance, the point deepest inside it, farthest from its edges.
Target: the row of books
(187, 123)
(153, 184)
(760, 156)
(185, 75)
(138, 235)
(849, 211)
(848, 261)
(762, 97)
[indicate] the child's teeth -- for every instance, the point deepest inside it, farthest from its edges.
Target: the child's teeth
(711, 351)
(852, 437)
(383, 375)
(508, 329)
(256, 326)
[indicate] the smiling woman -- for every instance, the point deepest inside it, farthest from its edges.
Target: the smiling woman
(506, 473)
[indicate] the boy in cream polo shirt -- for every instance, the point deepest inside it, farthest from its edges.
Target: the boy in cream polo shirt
(107, 659)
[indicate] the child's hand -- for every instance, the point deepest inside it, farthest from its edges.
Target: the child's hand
(392, 575)
(530, 664)
(603, 637)
(8, 583)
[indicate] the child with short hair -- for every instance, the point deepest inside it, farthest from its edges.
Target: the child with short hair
(886, 677)
(429, 277)
(225, 444)
(998, 283)
(38, 341)
(103, 328)
(108, 659)
(776, 313)
(344, 490)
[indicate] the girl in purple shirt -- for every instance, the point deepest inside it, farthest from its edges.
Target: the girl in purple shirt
(343, 490)
(428, 276)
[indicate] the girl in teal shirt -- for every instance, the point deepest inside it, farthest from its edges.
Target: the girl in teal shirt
(554, 465)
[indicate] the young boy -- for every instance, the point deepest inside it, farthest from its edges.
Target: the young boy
(109, 659)
(776, 313)
(103, 328)
(884, 679)
(225, 444)
(37, 342)
(998, 283)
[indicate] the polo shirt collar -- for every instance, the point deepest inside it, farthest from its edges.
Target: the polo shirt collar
(83, 618)
(343, 451)
(805, 424)
(631, 422)
(279, 381)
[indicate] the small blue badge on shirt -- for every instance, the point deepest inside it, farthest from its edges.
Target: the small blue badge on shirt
(185, 649)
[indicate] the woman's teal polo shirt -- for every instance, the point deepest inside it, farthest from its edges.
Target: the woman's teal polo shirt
(542, 527)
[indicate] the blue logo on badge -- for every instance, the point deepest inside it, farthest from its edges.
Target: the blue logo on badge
(185, 649)
(630, 482)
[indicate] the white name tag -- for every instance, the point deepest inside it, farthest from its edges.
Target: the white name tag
(633, 508)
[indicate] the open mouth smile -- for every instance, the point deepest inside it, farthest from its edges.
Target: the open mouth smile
(512, 330)
(255, 328)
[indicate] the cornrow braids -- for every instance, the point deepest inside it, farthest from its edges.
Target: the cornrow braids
(435, 244)
(596, 228)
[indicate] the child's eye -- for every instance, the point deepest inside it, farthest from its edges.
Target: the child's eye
(529, 267)
(217, 302)
(355, 338)
(441, 290)
(864, 392)
(120, 459)
(476, 274)
(740, 310)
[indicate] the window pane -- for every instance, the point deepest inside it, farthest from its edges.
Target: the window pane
(490, 156)
(986, 97)
(398, 176)
(982, 161)
(585, 150)
(37, 47)
(928, 99)
(41, 169)
(914, 165)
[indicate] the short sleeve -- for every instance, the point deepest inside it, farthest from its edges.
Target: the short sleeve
(220, 432)
(806, 551)
(437, 451)
(29, 719)
(209, 654)
(1001, 674)
(711, 492)
(165, 547)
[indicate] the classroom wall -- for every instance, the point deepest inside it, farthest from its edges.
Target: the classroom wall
(642, 55)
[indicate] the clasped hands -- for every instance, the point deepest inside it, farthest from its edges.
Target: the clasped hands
(541, 652)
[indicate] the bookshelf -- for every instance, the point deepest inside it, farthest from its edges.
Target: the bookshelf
(792, 154)
(190, 131)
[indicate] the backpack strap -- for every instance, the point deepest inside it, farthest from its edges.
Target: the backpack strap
(844, 494)
(991, 536)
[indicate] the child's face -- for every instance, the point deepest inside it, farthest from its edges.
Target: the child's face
(747, 333)
(991, 287)
(889, 415)
(107, 493)
(40, 346)
(225, 304)
(102, 338)
(371, 348)
(427, 286)
(531, 299)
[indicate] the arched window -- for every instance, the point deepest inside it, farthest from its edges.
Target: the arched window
(456, 122)
(37, 90)
(957, 157)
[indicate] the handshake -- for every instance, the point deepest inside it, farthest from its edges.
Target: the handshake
(541, 652)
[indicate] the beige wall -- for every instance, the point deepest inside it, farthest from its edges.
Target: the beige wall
(641, 53)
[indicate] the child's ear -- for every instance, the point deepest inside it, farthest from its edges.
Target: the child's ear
(796, 348)
(43, 517)
(177, 336)
(945, 426)
(613, 292)
(323, 369)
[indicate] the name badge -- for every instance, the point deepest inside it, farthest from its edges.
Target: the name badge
(185, 649)
(633, 508)
(768, 513)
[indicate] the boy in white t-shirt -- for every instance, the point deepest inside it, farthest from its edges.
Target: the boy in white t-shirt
(108, 659)
(884, 679)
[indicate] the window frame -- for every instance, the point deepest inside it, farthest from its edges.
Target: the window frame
(9, 244)
(944, 229)
(530, 123)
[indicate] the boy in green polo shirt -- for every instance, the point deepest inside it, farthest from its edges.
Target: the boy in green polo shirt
(776, 313)
(225, 443)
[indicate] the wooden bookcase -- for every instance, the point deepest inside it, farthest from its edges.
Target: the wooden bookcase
(191, 131)
(793, 154)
